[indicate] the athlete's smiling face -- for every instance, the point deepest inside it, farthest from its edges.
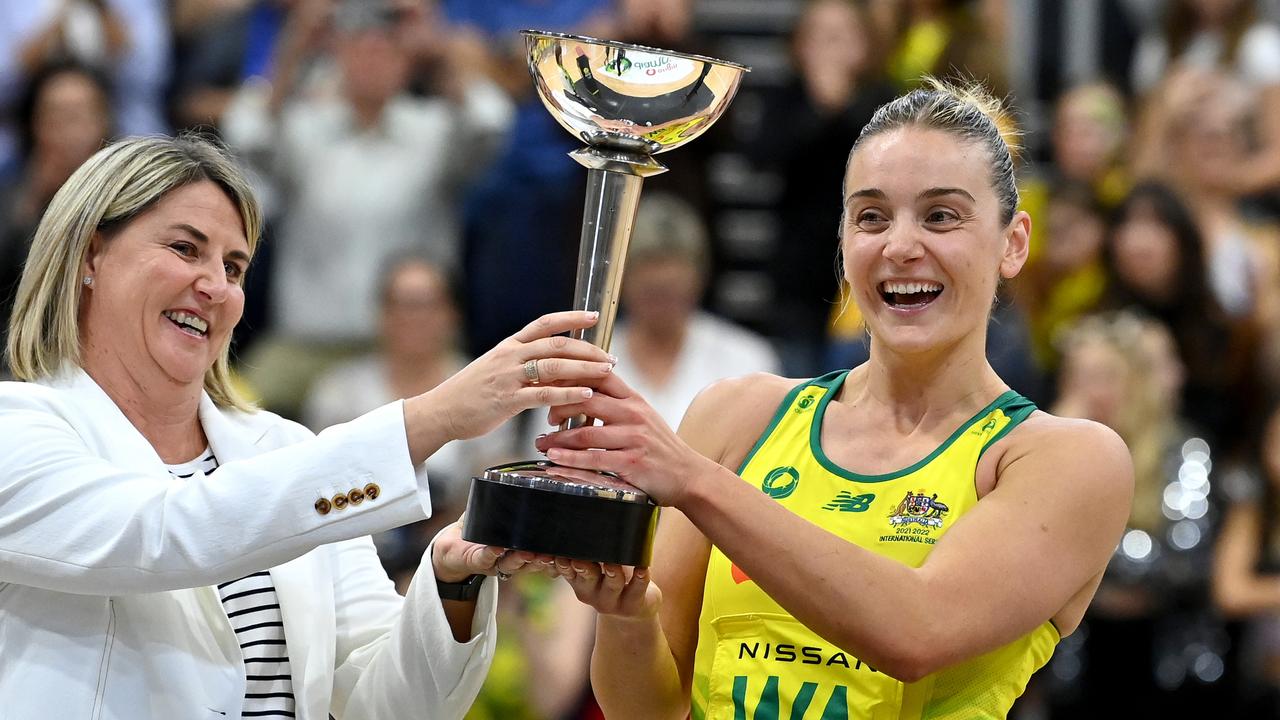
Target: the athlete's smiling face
(924, 246)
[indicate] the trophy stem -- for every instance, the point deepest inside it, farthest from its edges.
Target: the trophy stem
(614, 181)
(612, 199)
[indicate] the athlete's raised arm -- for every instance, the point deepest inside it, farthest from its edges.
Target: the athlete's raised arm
(1020, 557)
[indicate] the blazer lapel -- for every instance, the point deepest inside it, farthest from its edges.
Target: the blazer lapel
(117, 438)
(303, 585)
(119, 441)
(306, 602)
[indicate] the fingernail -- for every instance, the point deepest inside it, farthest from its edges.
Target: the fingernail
(642, 574)
(587, 392)
(613, 359)
(595, 314)
(543, 435)
(609, 572)
(553, 453)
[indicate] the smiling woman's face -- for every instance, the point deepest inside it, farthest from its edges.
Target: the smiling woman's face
(167, 289)
(923, 242)
(1146, 255)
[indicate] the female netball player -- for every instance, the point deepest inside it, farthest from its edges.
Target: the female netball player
(909, 538)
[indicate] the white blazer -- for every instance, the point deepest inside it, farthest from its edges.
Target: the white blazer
(107, 563)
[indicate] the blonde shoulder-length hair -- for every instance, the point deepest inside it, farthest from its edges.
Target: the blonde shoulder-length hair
(120, 182)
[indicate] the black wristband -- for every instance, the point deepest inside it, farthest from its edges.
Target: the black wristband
(468, 589)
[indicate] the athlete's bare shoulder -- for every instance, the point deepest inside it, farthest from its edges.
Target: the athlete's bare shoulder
(725, 419)
(1041, 426)
(1080, 448)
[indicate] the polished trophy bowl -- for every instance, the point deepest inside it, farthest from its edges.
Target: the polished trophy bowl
(627, 103)
(609, 93)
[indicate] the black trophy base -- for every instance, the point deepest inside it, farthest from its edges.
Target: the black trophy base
(534, 506)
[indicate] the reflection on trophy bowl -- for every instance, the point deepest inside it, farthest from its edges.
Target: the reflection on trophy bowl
(546, 508)
(629, 97)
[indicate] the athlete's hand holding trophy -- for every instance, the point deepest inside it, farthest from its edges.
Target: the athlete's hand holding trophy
(627, 103)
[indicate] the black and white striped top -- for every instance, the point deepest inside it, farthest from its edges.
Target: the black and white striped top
(254, 611)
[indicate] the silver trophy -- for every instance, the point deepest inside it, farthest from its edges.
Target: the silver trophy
(627, 103)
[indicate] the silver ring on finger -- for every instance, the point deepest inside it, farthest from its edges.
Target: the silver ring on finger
(531, 372)
(502, 576)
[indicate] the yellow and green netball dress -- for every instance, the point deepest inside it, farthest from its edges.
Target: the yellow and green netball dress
(755, 662)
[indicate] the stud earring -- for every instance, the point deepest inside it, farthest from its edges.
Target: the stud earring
(88, 281)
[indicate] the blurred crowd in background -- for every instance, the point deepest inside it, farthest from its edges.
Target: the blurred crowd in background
(422, 206)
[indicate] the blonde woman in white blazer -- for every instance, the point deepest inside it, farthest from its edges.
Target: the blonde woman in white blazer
(246, 586)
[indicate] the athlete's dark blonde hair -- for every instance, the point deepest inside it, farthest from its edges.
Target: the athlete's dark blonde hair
(967, 111)
(120, 182)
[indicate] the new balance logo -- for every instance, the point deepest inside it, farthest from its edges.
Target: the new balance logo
(846, 501)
